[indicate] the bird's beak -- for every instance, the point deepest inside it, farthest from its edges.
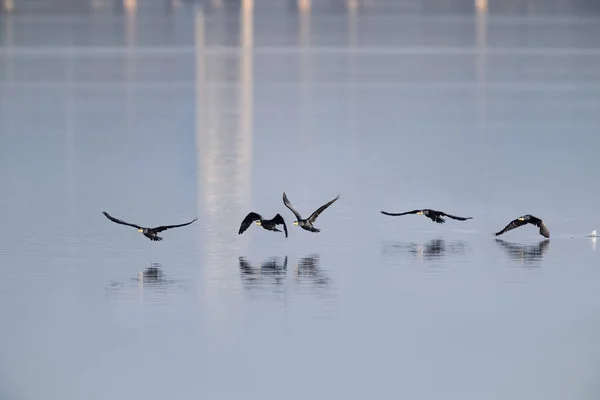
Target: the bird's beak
(420, 213)
(295, 223)
(258, 223)
(140, 230)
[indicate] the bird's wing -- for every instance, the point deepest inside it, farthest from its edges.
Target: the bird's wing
(455, 217)
(250, 218)
(544, 231)
(118, 221)
(278, 219)
(398, 214)
(165, 227)
(289, 205)
(314, 215)
(245, 265)
(512, 225)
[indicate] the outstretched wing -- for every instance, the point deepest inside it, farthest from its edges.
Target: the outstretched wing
(314, 215)
(398, 214)
(544, 231)
(455, 217)
(165, 227)
(278, 219)
(250, 218)
(289, 205)
(118, 221)
(512, 225)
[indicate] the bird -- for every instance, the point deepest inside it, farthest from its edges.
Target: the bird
(307, 224)
(268, 224)
(526, 219)
(435, 216)
(150, 233)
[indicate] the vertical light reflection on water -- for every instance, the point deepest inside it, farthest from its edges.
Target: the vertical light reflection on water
(481, 95)
(9, 5)
(246, 101)
(224, 159)
(352, 33)
(304, 39)
(304, 6)
(593, 243)
(70, 153)
(130, 43)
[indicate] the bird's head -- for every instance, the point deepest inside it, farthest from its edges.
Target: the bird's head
(141, 230)
(295, 223)
(258, 223)
(420, 213)
(521, 218)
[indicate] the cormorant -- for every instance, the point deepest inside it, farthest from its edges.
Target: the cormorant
(307, 223)
(268, 224)
(150, 233)
(435, 216)
(526, 219)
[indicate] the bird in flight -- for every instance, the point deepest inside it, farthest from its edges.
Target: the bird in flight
(150, 233)
(268, 224)
(526, 219)
(435, 216)
(307, 223)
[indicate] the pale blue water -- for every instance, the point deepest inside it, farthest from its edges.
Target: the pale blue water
(158, 112)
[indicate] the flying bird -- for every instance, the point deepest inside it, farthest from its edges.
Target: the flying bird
(307, 223)
(526, 219)
(435, 216)
(268, 224)
(150, 233)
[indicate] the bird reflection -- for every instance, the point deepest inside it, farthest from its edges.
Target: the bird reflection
(148, 283)
(527, 254)
(271, 271)
(272, 274)
(435, 249)
(153, 276)
(308, 271)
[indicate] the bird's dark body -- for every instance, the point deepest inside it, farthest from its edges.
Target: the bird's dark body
(268, 224)
(434, 215)
(524, 220)
(150, 233)
(307, 224)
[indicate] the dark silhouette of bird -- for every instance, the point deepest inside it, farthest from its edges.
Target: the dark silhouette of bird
(150, 233)
(526, 219)
(435, 216)
(268, 224)
(307, 223)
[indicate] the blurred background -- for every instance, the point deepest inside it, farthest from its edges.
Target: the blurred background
(159, 111)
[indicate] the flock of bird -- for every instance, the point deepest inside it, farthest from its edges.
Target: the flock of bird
(307, 223)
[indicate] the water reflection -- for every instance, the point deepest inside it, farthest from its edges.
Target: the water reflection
(270, 272)
(433, 250)
(308, 272)
(529, 255)
(152, 278)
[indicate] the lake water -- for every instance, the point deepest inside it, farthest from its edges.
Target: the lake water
(158, 112)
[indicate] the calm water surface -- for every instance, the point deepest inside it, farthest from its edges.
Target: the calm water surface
(161, 111)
